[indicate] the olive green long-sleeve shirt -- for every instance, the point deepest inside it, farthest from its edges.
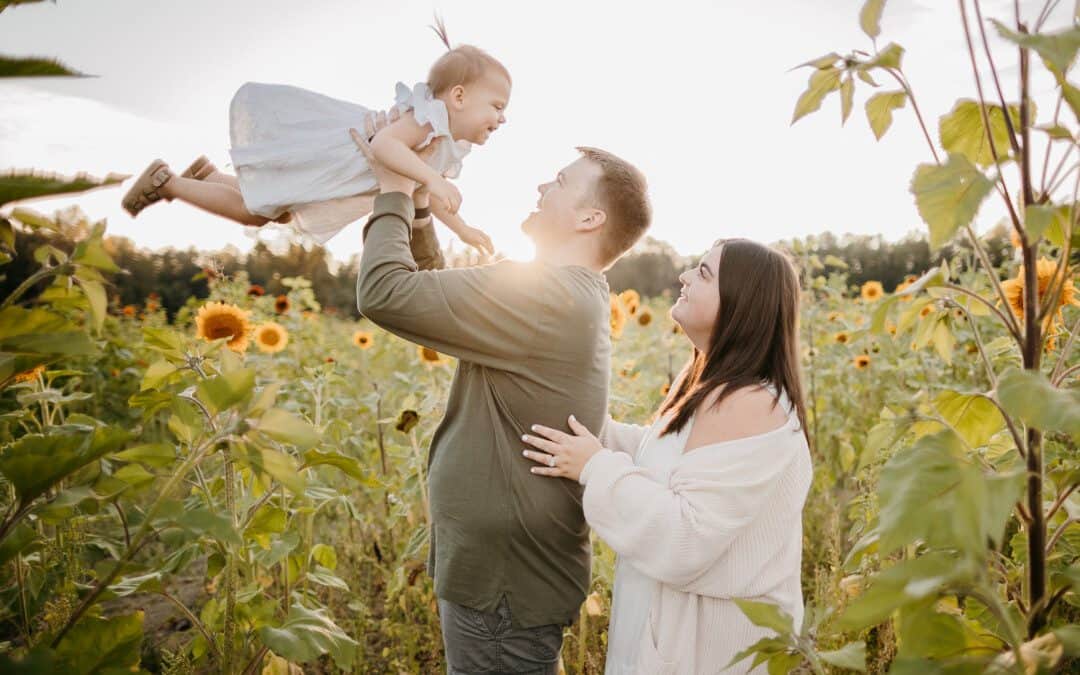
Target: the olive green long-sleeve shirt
(533, 345)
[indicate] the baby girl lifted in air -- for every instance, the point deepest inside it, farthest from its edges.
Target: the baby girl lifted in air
(296, 162)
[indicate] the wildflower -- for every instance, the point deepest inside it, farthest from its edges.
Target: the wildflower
(256, 290)
(666, 389)
(32, 374)
(129, 311)
(861, 361)
(631, 300)
(872, 291)
(842, 338)
(217, 320)
(363, 339)
(407, 420)
(430, 356)
(644, 318)
(281, 304)
(618, 316)
(271, 337)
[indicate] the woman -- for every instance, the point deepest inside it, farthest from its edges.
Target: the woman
(704, 506)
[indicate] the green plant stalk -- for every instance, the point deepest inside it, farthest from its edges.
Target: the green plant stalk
(229, 636)
(138, 541)
(44, 273)
(583, 634)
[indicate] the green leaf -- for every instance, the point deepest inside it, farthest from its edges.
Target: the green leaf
(267, 520)
(97, 645)
(156, 374)
(36, 462)
(1070, 638)
(821, 83)
(948, 196)
(1056, 132)
(91, 253)
(851, 656)
(879, 110)
(889, 56)
(870, 17)
(1030, 397)
(908, 581)
(17, 186)
(324, 555)
(144, 583)
(278, 465)
(17, 540)
(974, 417)
(203, 522)
(222, 391)
(286, 427)
(35, 67)
(95, 295)
(822, 62)
(306, 635)
(350, 466)
(1057, 49)
(847, 94)
(767, 615)
(963, 132)
(1038, 218)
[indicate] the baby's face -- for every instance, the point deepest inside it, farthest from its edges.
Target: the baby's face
(478, 111)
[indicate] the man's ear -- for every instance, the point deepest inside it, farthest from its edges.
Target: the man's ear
(591, 219)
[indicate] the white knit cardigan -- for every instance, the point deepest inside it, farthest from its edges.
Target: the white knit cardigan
(727, 524)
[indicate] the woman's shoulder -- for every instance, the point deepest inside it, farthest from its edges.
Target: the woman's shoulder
(745, 413)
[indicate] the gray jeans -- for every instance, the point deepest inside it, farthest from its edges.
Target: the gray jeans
(484, 642)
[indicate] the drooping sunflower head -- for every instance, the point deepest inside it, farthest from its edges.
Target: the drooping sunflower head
(271, 337)
(631, 300)
(217, 320)
(429, 356)
(363, 339)
(861, 361)
(644, 318)
(872, 291)
(618, 316)
(282, 304)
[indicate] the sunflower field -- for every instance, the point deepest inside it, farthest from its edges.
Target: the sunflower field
(240, 487)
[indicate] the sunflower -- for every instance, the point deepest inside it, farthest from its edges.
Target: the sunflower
(618, 316)
(431, 357)
(30, 375)
(645, 318)
(666, 389)
(271, 337)
(363, 339)
(872, 291)
(841, 338)
(891, 327)
(407, 420)
(631, 300)
(861, 361)
(281, 304)
(256, 290)
(217, 320)
(129, 311)
(908, 280)
(1044, 272)
(926, 311)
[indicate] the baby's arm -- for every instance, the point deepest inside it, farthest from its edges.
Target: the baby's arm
(468, 234)
(393, 146)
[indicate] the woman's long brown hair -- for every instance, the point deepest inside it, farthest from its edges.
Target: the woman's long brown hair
(755, 337)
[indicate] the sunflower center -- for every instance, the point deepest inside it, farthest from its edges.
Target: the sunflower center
(222, 327)
(271, 338)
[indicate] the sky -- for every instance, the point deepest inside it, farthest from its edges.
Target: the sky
(697, 94)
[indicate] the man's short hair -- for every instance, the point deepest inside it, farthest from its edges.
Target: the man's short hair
(622, 193)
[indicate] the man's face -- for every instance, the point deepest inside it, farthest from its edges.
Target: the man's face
(564, 203)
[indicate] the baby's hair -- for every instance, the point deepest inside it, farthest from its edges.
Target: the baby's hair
(462, 65)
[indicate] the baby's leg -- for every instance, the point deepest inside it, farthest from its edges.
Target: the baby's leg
(219, 198)
(223, 179)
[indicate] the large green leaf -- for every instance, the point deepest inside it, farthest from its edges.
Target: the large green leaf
(821, 83)
(963, 132)
(908, 581)
(96, 645)
(13, 66)
(95, 296)
(879, 110)
(347, 464)
(767, 615)
(222, 391)
(279, 465)
(1030, 397)
(19, 185)
(851, 656)
(285, 427)
(948, 196)
(16, 541)
(306, 635)
(36, 462)
(974, 417)
(1057, 49)
(214, 525)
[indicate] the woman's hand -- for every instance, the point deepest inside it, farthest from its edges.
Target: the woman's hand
(564, 455)
(447, 193)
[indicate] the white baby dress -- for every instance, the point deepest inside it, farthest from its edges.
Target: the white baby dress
(292, 151)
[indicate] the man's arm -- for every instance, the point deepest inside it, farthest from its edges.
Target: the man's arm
(424, 245)
(488, 315)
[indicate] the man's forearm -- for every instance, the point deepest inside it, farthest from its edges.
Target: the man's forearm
(424, 244)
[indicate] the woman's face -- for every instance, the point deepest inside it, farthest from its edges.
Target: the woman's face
(695, 311)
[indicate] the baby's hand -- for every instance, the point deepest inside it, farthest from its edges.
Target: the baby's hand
(478, 239)
(447, 192)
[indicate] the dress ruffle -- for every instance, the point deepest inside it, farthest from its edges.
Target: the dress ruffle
(429, 110)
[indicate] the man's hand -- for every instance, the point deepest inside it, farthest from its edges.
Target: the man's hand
(388, 180)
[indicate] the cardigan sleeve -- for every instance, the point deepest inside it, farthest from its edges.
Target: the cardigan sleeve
(622, 437)
(675, 532)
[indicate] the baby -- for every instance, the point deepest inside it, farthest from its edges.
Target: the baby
(296, 162)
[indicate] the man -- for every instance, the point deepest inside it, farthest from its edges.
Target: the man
(509, 552)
